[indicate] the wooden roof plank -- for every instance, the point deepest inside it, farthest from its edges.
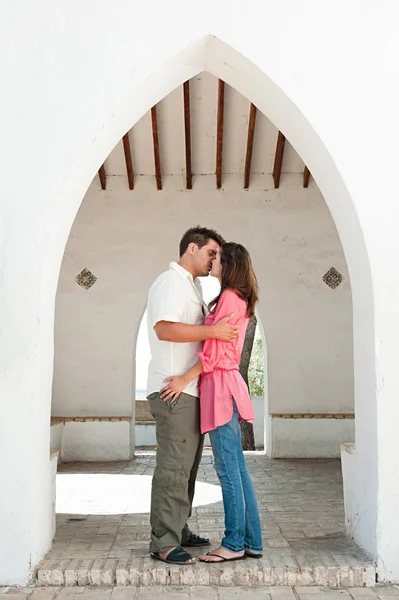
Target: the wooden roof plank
(250, 143)
(187, 134)
(219, 134)
(306, 177)
(128, 160)
(157, 162)
(102, 176)
(278, 159)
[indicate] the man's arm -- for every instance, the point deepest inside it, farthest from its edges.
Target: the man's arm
(181, 332)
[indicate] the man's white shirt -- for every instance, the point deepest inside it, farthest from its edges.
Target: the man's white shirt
(174, 296)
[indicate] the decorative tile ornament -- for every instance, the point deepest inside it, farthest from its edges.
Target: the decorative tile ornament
(332, 278)
(86, 279)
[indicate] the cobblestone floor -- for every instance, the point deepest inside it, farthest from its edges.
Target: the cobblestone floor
(302, 516)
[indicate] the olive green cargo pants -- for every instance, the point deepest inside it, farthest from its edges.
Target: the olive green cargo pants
(179, 453)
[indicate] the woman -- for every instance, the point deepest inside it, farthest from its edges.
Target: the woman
(224, 401)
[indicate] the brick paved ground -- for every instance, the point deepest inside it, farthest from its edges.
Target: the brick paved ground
(302, 517)
(201, 593)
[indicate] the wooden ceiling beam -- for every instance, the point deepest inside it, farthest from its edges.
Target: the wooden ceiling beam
(103, 179)
(187, 133)
(157, 162)
(250, 144)
(306, 177)
(219, 134)
(278, 159)
(128, 160)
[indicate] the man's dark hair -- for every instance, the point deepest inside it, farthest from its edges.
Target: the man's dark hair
(199, 236)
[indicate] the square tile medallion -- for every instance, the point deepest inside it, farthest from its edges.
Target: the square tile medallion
(332, 278)
(86, 279)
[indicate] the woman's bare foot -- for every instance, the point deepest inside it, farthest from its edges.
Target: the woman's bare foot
(222, 553)
(165, 554)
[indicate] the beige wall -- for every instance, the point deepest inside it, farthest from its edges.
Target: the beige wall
(127, 238)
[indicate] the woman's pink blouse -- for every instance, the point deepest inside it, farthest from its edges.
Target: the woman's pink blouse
(221, 379)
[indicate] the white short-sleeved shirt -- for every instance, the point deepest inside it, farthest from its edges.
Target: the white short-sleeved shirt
(174, 296)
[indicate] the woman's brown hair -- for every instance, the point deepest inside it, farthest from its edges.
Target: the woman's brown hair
(238, 275)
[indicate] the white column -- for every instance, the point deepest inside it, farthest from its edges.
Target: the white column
(387, 417)
(25, 392)
(371, 468)
(359, 459)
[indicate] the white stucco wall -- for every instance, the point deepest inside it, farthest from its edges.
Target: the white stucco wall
(310, 438)
(56, 434)
(96, 441)
(127, 238)
(75, 81)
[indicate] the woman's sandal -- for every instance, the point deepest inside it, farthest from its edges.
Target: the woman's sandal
(178, 556)
(222, 558)
(253, 554)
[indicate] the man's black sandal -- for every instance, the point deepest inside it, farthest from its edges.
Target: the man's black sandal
(194, 541)
(178, 556)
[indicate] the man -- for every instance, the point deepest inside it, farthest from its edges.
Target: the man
(175, 317)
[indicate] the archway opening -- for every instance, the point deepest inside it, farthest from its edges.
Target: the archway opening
(262, 195)
(218, 58)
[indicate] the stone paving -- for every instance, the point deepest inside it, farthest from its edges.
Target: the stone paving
(200, 593)
(302, 516)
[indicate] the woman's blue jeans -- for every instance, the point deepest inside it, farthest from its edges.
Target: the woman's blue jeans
(242, 523)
